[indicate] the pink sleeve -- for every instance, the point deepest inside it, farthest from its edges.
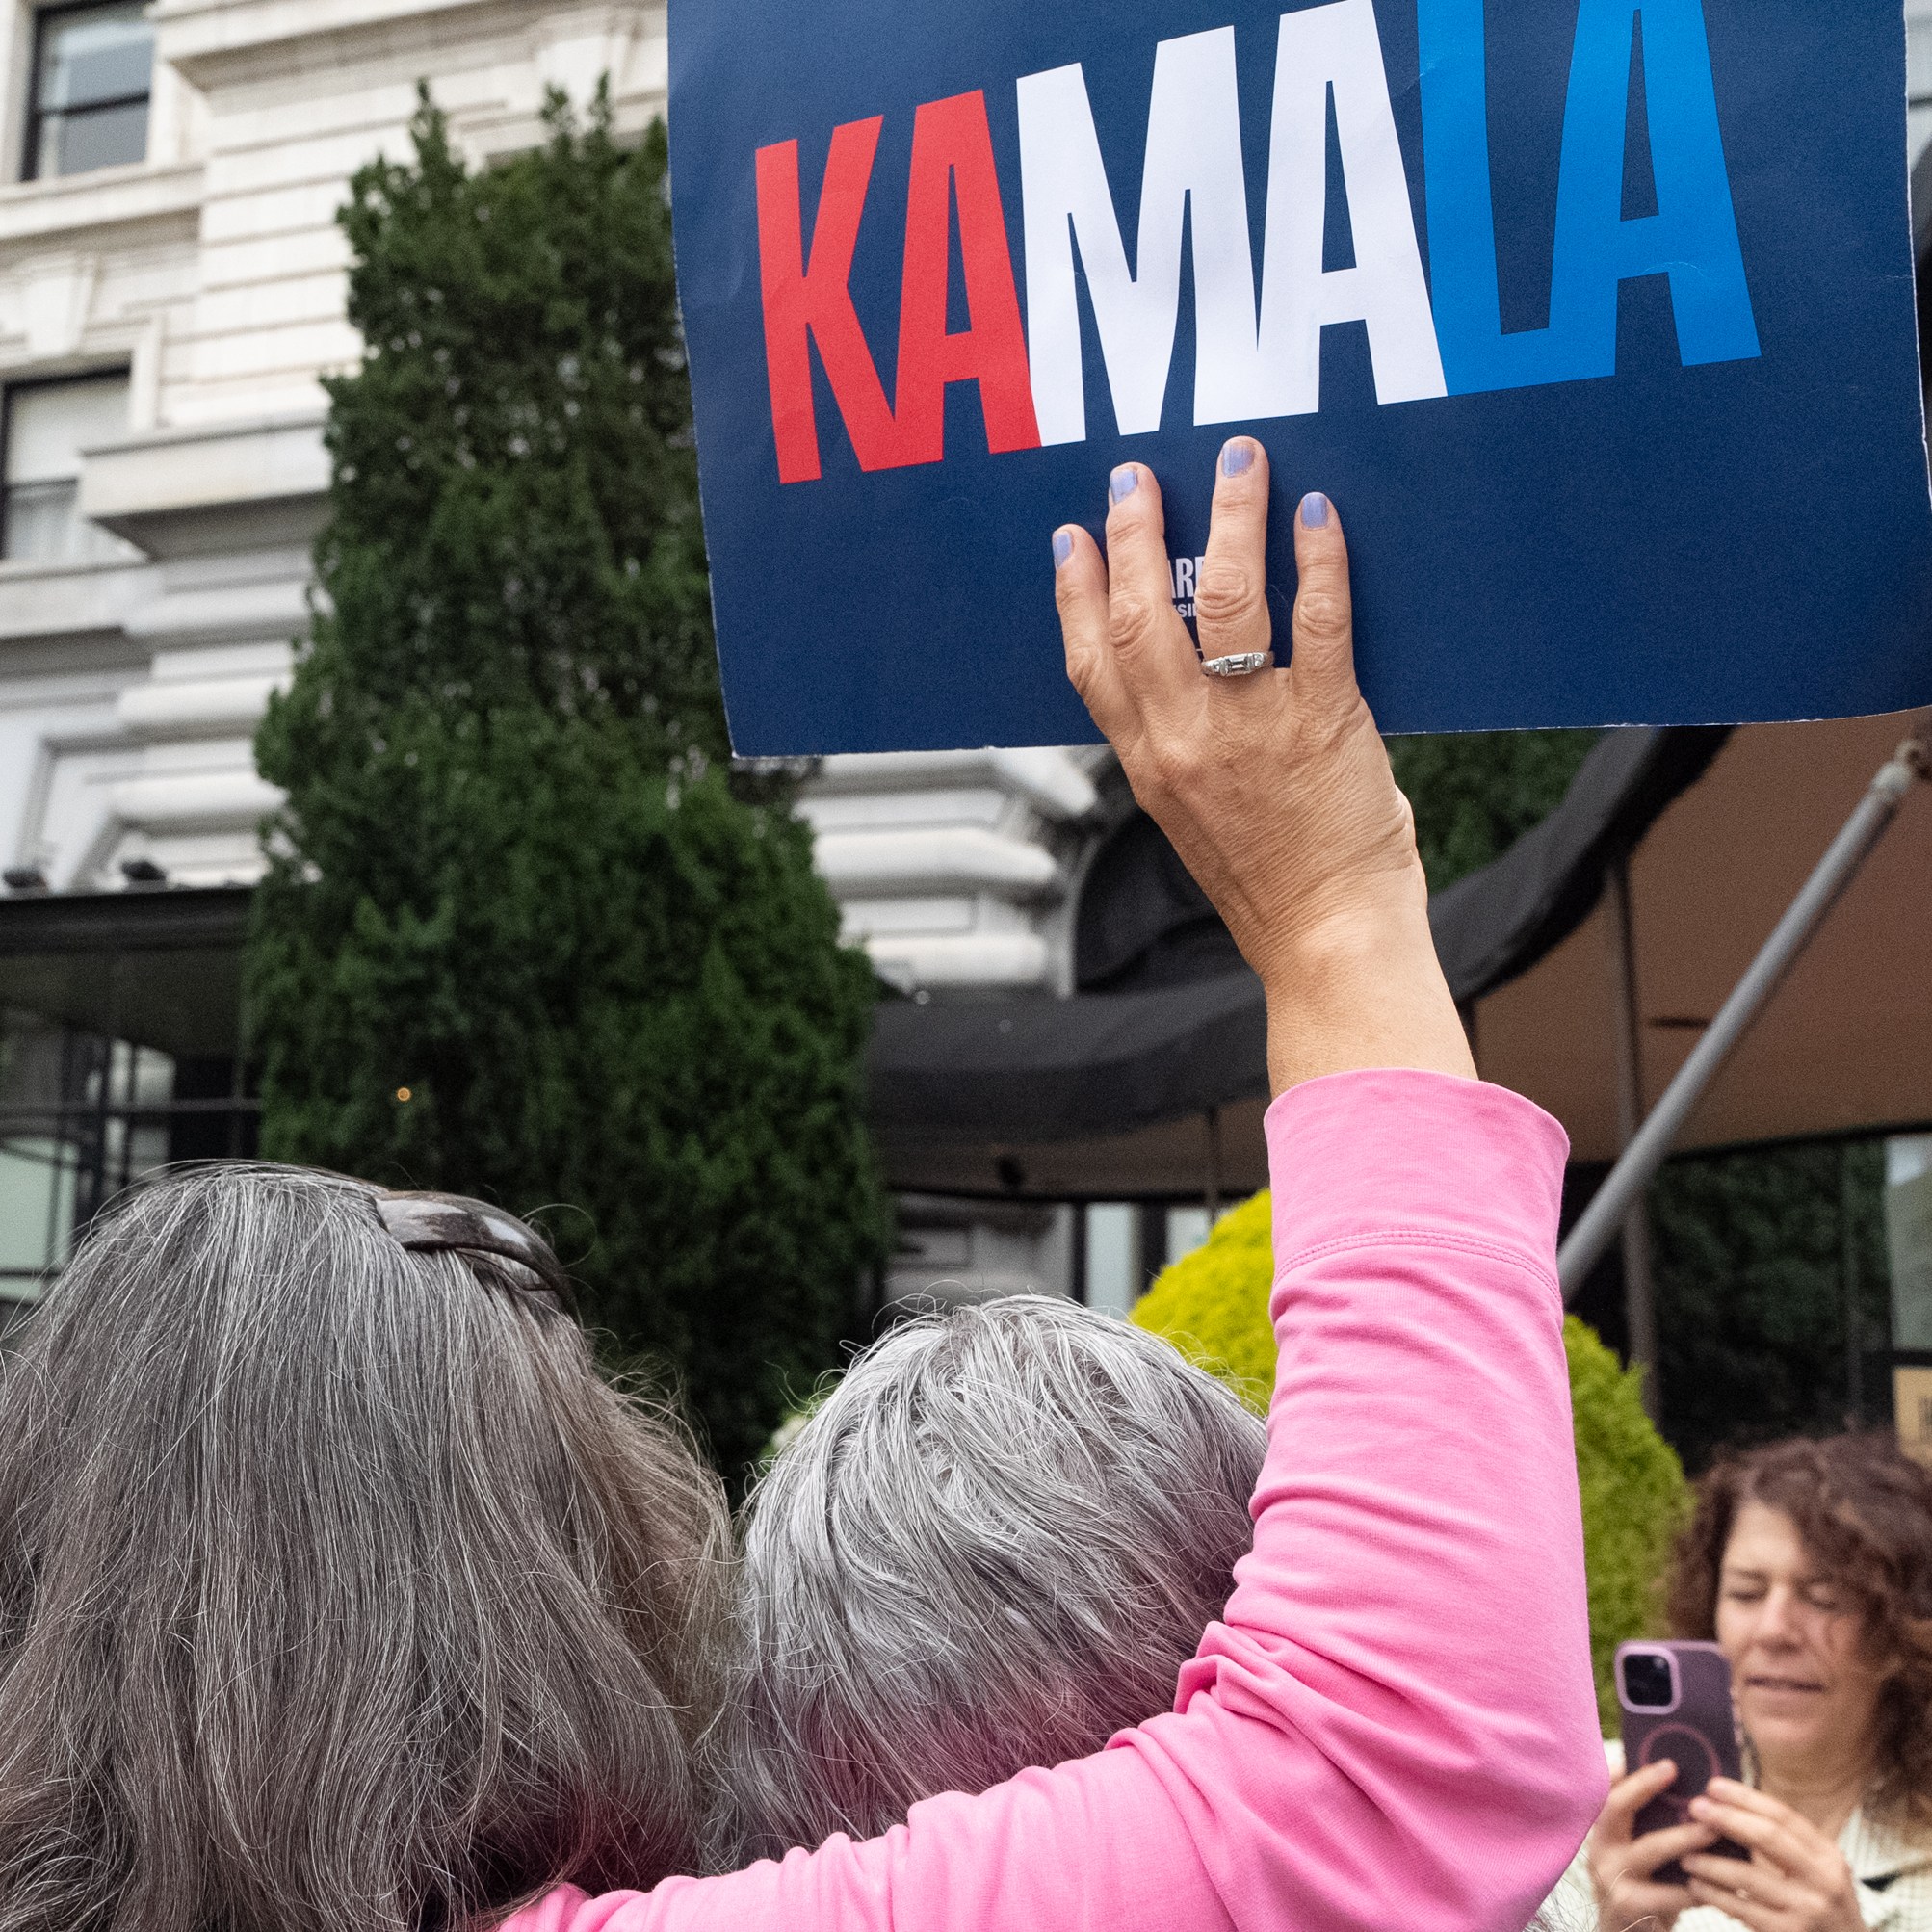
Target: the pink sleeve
(1394, 1725)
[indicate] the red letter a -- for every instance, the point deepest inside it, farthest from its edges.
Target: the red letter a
(817, 302)
(952, 149)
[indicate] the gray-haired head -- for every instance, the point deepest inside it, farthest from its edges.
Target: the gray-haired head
(337, 1589)
(1570, 1907)
(992, 1546)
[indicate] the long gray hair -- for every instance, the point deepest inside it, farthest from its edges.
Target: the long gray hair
(337, 1590)
(992, 1546)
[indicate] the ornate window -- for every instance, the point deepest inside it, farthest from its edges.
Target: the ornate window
(93, 69)
(47, 427)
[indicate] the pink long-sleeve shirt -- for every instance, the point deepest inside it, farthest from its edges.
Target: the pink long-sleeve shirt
(1393, 1729)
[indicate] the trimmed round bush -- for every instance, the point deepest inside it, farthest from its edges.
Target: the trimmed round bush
(1213, 1306)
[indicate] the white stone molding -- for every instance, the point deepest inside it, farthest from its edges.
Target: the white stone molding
(953, 962)
(204, 489)
(1048, 777)
(161, 204)
(56, 305)
(194, 802)
(68, 605)
(943, 857)
(216, 707)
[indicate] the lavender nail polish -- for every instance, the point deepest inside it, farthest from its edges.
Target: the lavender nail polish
(1123, 482)
(1314, 510)
(1062, 547)
(1236, 457)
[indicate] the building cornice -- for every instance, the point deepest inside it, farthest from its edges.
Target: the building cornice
(72, 213)
(70, 609)
(214, 42)
(182, 491)
(1048, 777)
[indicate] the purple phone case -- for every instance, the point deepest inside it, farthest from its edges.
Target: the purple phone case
(1698, 1734)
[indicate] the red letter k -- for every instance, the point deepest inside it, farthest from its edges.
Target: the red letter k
(815, 304)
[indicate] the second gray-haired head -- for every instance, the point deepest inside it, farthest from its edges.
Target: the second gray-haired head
(992, 1546)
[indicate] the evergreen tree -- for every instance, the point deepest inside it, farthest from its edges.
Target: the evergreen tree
(522, 935)
(1753, 1327)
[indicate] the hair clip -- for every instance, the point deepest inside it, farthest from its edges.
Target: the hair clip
(432, 1223)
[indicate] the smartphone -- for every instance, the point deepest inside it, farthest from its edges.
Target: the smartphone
(1675, 1702)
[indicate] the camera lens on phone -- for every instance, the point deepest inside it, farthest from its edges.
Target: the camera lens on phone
(1647, 1684)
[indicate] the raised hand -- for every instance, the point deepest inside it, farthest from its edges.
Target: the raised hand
(1274, 788)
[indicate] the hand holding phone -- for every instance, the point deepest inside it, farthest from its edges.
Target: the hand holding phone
(1675, 1704)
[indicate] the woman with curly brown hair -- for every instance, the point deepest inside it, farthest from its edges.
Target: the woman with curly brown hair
(1810, 1563)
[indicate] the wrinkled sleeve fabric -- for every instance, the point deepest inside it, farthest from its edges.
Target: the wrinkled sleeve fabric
(1393, 1725)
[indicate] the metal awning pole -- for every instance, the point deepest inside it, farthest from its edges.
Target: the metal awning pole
(1639, 1304)
(1639, 1161)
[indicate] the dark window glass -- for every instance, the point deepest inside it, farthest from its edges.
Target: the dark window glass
(112, 1067)
(93, 73)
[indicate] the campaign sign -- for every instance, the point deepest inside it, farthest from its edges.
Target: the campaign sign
(1595, 317)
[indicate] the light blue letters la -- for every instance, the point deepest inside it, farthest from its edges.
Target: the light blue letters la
(1693, 237)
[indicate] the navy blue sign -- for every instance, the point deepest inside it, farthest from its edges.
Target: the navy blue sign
(1593, 317)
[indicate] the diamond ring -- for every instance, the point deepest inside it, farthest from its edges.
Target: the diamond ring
(1240, 663)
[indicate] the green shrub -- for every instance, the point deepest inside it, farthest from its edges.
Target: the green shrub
(1634, 1497)
(1212, 1305)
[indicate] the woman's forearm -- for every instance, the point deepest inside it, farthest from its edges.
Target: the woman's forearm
(1323, 1015)
(1274, 788)
(1418, 1574)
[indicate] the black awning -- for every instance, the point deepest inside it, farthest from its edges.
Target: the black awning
(161, 968)
(1046, 1069)
(1037, 1070)
(164, 919)
(1499, 922)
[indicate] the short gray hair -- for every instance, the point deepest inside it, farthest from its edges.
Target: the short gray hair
(336, 1588)
(992, 1546)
